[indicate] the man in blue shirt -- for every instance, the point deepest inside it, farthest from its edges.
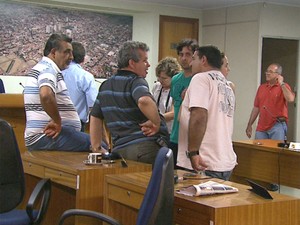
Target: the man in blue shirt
(80, 84)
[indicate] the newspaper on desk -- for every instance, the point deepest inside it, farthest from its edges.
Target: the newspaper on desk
(207, 188)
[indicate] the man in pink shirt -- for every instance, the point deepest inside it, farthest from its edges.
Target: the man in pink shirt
(206, 118)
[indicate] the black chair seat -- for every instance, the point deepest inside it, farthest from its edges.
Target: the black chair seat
(16, 216)
(12, 184)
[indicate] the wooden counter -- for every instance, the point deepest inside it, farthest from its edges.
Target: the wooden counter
(124, 194)
(74, 184)
(12, 110)
(262, 160)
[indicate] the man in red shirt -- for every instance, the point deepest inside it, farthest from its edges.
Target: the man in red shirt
(271, 105)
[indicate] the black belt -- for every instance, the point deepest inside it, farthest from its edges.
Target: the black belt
(281, 119)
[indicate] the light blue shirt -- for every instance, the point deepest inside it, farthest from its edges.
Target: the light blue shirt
(82, 89)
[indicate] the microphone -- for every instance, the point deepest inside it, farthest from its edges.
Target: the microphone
(285, 144)
(21, 85)
(98, 81)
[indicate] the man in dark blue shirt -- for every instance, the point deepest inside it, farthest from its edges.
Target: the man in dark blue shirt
(129, 110)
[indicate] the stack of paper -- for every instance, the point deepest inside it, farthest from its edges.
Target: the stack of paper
(207, 188)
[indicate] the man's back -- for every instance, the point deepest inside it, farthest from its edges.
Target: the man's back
(82, 89)
(118, 98)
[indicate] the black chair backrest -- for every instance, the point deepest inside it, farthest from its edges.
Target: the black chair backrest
(12, 184)
(157, 205)
(2, 89)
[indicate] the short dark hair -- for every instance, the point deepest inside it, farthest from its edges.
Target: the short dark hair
(78, 52)
(129, 50)
(54, 42)
(212, 54)
(187, 42)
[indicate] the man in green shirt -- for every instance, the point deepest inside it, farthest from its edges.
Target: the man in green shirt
(179, 84)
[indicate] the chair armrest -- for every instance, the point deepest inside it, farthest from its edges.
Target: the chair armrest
(88, 213)
(43, 188)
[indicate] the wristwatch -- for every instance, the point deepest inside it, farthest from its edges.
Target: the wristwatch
(191, 154)
(282, 84)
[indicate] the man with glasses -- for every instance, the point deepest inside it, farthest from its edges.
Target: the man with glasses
(271, 105)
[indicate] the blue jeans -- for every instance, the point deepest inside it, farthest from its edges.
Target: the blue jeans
(221, 175)
(277, 132)
(68, 140)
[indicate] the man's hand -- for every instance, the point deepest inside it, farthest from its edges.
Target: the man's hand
(197, 163)
(280, 79)
(52, 129)
(249, 131)
(149, 128)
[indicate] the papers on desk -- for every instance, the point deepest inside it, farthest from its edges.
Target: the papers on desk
(207, 188)
(294, 146)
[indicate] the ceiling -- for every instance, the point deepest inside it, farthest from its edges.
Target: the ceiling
(211, 4)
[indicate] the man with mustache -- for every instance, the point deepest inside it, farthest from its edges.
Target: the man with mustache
(52, 122)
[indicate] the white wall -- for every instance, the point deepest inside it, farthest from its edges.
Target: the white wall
(285, 24)
(239, 31)
(236, 30)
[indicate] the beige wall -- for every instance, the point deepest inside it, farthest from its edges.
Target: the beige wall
(239, 31)
(236, 30)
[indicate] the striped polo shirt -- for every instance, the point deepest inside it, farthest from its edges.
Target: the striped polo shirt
(117, 104)
(46, 73)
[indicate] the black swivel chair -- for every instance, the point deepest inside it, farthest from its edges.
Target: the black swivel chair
(12, 184)
(157, 205)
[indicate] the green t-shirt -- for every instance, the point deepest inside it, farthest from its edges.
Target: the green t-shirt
(178, 84)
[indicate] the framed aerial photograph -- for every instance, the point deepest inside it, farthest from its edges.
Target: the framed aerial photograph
(25, 28)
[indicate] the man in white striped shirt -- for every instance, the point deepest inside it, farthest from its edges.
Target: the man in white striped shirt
(52, 122)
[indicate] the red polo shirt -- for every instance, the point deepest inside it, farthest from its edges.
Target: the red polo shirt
(272, 104)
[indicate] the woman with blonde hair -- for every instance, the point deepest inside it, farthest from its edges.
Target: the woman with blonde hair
(165, 70)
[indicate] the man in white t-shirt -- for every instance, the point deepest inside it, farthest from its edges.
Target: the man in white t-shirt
(206, 118)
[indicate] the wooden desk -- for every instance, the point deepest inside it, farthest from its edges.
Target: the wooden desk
(74, 184)
(12, 110)
(124, 193)
(262, 160)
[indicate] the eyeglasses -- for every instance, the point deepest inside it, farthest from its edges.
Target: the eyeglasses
(270, 71)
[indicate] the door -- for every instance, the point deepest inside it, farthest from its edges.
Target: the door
(174, 29)
(284, 52)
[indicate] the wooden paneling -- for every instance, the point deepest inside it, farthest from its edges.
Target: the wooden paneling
(243, 207)
(12, 110)
(74, 184)
(262, 160)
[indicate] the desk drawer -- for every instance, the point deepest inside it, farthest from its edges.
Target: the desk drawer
(61, 177)
(125, 196)
(34, 169)
(182, 215)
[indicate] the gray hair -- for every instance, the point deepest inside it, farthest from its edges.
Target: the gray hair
(129, 50)
(279, 67)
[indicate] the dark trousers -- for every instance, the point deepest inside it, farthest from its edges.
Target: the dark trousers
(174, 147)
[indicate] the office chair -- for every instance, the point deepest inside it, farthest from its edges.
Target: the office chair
(2, 89)
(157, 204)
(12, 184)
